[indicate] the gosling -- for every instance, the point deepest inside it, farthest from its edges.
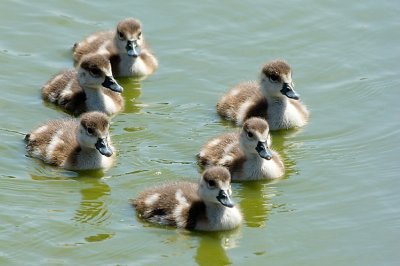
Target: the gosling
(247, 154)
(126, 48)
(272, 98)
(206, 206)
(91, 87)
(73, 144)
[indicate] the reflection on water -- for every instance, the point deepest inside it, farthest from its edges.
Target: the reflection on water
(93, 208)
(281, 142)
(98, 237)
(132, 91)
(166, 161)
(134, 129)
(255, 203)
(47, 172)
(212, 247)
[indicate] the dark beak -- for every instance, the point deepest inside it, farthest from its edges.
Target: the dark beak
(263, 151)
(289, 92)
(111, 83)
(225, 199)
(103, 148)
(132, 48)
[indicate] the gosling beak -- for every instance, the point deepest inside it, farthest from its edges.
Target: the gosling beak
(102, 146)
(111, 83)
(224, 199)
(132, 48)
(263, 151)
(289, 92)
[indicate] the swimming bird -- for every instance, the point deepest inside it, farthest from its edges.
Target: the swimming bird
(91, 87)
(125, 47)
(206, 206)
(247, 155)
(73, 144)
(273, 97)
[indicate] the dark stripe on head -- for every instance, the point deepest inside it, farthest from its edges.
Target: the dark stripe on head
(95, 120)
(129, 25)
(217, 173)
(275, 69)
(255, 124)
(94, 63)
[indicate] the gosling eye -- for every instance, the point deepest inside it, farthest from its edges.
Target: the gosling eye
(139, 35)
(211, 183)
(121, 35)
(90, 131)
(274, 78)
(95, 72)
(250, 134)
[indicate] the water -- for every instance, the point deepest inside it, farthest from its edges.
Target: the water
(338, 203)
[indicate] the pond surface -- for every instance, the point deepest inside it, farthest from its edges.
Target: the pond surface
(338, 203)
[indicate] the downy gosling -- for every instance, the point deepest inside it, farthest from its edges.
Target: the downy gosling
(272, 98)
(125, 47)
(247, 154)
(206, 206)
(74, 144)
(91, 87)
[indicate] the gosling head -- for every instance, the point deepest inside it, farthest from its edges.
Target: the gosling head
(94, 71)
(276, 80)
(128, 37)
(255, 138)
(93, 132)
(215, 186)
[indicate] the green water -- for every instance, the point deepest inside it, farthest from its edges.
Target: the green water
(339, 201)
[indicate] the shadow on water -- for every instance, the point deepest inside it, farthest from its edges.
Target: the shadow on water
(213, 246)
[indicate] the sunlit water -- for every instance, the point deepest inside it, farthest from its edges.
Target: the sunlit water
(339, 201)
